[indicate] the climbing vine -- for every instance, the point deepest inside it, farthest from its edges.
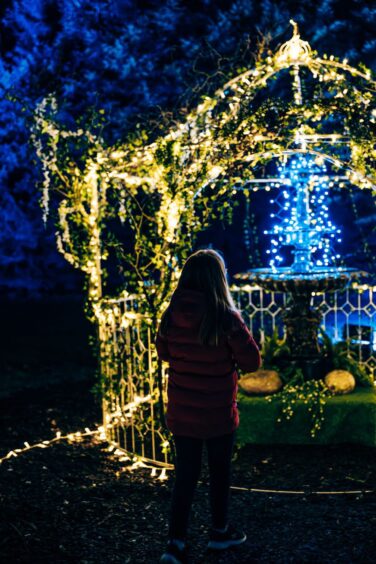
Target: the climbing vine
(131, 213)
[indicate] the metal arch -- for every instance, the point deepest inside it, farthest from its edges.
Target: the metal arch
(334, 160)
(275, 155)
(309, 60)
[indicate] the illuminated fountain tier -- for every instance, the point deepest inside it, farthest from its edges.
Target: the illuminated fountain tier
(303, 224)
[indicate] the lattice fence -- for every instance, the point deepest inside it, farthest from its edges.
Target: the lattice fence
(135, 382)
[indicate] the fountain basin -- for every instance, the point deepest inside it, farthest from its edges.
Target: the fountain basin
(301, 320)
(319, 279)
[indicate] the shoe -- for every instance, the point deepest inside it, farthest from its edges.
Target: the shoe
(174, 555)
(221, 541)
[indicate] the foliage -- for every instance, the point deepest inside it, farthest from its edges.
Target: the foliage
(163, 189)
(273, 350)
(342, 357)
(312, 393)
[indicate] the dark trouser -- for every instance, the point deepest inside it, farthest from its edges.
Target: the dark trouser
(188, 468)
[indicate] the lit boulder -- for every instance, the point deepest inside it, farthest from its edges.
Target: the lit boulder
(340, 381)
(261, 382)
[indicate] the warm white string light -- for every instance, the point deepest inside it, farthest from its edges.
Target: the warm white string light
(202, 152)
(75, 436)
(159, 472)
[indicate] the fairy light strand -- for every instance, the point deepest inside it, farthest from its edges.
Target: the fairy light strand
(221, 144)
(157, 472)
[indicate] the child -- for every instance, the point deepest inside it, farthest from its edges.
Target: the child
(203, 338)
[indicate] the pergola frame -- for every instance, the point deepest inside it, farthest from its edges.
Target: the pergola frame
(222, 143)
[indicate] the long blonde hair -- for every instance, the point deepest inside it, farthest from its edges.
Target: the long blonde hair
(205, 271)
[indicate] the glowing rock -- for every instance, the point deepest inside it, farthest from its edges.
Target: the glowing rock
(340, 381)
(261, 382)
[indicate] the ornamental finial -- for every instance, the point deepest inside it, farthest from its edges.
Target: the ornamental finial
(295, 50)
(295, 26)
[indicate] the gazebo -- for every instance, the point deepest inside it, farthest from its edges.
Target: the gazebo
(142, 203)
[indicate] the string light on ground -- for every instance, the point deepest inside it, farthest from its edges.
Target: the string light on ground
(76, 436)
(161, 474)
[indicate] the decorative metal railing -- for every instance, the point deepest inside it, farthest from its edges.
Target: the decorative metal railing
(135, 382)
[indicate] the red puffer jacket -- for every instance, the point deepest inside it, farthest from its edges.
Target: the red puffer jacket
(202, 382)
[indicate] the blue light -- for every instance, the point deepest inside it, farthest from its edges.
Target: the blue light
(302, 219)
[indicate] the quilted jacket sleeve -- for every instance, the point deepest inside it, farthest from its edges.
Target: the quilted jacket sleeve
(162, 349)
(244, 349)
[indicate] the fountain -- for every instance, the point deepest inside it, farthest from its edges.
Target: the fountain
(303, 224)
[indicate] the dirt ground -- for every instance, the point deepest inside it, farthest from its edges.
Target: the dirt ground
(74, 502)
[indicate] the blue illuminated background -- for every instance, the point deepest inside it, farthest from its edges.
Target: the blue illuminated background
(136, 60)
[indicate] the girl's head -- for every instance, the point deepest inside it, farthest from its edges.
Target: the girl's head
(205, 271)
